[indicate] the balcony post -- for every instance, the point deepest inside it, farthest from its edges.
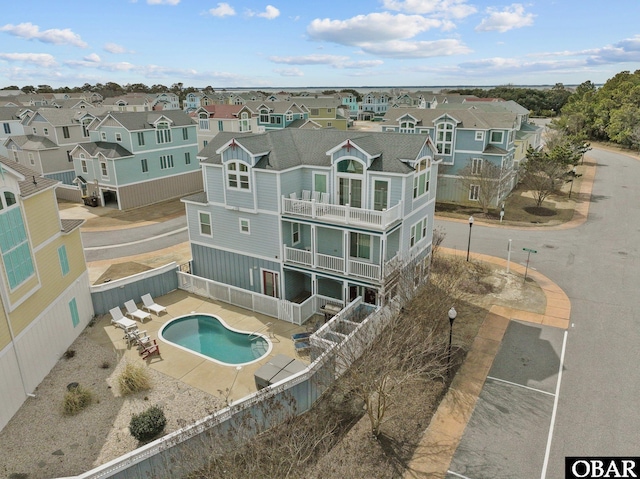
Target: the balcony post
(313, 207)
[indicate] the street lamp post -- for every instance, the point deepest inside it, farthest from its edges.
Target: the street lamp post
(452, 317)
(469, 243)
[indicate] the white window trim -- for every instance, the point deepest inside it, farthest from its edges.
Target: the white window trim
(103, 136)
(326, 181)
(240, 223)
(476, 166)
(479, 135)
(102, 170)
(206, 213)
(474, 189)
(118, 137)
(295, 228)
(491, 140)
(238, 174)
(84, 166)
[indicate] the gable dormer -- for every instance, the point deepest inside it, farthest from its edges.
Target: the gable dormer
(234, 150)
(343, 155)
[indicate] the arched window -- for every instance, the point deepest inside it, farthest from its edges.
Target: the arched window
(444, 138)
(237, 175)
(163, 132)
(350, 166)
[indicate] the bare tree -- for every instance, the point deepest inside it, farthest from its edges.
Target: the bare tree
(484, 181)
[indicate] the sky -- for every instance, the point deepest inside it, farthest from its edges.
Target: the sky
(296, 44)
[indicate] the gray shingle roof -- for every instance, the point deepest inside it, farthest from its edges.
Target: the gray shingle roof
(67, 116)
(33, 182)
(70, 225)
(9, 112)
(108, 150)
(33, 142)
(143, 120)
(468, 118)
(289, 148)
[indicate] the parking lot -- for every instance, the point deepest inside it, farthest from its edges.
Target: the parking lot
(511, 427)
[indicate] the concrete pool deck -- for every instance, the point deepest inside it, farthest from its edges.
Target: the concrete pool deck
(192, 369)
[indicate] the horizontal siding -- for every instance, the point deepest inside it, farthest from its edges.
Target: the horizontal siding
(264, 239)
(42, 218)
(267, 191)
(215, 183)
(52, 283)
(159, 190)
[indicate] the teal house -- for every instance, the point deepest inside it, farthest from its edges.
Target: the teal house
(463, 137)
(135, 159)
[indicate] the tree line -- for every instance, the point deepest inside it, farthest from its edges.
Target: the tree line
(609, 113)
(545, 102)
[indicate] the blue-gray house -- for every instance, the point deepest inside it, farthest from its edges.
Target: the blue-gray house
(302, 214)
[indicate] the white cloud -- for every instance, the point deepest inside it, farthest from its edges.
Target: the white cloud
(439, 8)
(313, 59)
(289, 72)
(94, 57)
(374, 27)
(421, 49)
(270, 13)
(222, 10)
(42, 59)
(509, 18)
(359, 65)
(334, 61)
(115, 48)
(163, 2)
(627, 50)
(53, 35)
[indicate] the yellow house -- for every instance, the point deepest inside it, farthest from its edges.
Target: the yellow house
(44, 284)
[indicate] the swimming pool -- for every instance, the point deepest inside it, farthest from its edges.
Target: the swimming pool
(210, 337)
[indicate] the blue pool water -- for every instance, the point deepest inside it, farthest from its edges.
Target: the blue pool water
(209, 336)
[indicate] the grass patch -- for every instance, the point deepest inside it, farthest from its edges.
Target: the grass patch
(133, 378)
(75, 400)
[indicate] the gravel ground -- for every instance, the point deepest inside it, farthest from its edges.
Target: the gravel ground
(59, 445)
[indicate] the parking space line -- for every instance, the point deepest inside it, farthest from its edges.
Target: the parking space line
(545, 464)
(458, 475)
(520, 385)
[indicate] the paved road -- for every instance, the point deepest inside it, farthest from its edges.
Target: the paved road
(596, 264)
(100, 245)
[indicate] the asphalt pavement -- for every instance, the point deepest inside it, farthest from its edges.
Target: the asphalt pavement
(596, 264)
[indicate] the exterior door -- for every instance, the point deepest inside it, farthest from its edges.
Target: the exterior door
(351, 192)
(270, 283)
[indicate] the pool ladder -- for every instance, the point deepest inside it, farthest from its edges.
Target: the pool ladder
(257, 332)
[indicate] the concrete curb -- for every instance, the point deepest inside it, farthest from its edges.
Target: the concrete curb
(433, 455)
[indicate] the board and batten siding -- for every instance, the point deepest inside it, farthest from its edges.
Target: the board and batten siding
(161, 189)
(296, 283)
(230, 268)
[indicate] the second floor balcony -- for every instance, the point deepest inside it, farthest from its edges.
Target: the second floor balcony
(346, 266)
(342, 214)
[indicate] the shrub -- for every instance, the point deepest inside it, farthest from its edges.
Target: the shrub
(75, 400)
(133, 378)
(148, 424)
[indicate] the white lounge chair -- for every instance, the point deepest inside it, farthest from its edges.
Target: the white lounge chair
(134, 312)
(150, 305)
(118, 319)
